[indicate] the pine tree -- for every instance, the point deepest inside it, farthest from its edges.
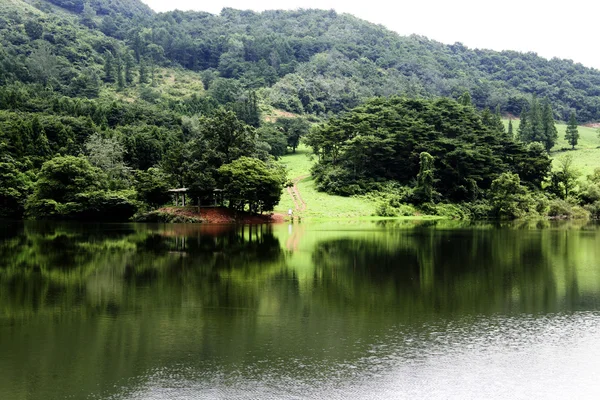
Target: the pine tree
(572, 133)
(120, 79)
(497, 119)
(128, 68)
(143, 78)
(535, 125)
(522, 130)
(550, 131)
(510, 129)
(109, 67)
(465, 99)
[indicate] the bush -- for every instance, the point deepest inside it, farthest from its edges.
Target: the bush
(401, 210)
(559, 208)
(593, 209)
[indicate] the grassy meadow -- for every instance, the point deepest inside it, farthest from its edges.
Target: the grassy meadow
(319, 205)
(586, 156)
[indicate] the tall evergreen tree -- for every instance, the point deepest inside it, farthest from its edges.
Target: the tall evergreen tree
(129, 65)
(465, 99)
(497, 120)
(143, 78)
(109, 67)
(120, 79)
(535, 126)
(522, 130)
(550, 131)
(572, 133)
(510, 129)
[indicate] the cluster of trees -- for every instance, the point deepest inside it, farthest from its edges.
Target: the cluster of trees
(537, 124)
(445, 157)
(322, 62)
(383, 140)
(305, 61)
(71, 168)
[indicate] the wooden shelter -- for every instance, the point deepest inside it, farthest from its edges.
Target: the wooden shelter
(177, 195)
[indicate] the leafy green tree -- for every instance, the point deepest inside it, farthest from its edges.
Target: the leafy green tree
(107, 154)
(571, 132)
(509, 198)
(523, 128)
(152, 187)
(70, 187)
(43, 64)
(425, 178)
(34, 29)
(253, 183)
(294, 129)
(143, 72)
(119, 72)
(564, 179)
(62, 178)
(465, 99)
(87, 15)
(276, 140)
(15, 187)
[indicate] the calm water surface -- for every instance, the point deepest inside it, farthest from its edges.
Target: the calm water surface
(394, 310)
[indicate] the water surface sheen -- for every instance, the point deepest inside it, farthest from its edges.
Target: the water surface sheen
(368, 310)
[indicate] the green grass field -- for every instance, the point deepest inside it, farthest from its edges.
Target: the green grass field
(586, 156)
(319, 204)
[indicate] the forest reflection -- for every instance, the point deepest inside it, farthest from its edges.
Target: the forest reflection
(427, 267)
(113, 301)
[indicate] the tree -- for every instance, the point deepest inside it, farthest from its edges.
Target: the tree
(119, 71)
(109, 67)
(253, 183)
(425, 178)
(87, 15)
(550, 132)
(143, 78)
(509, 198)
(465, 99)
(152, 187)
(522, 130)
(15, 187)
(70, 187)
(571, 132)
(107, 154)
(294, 129)
(510, 129)
(129, 65)
(34, 29)
(564, 180)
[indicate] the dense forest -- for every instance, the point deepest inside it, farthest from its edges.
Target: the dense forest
(104, 105)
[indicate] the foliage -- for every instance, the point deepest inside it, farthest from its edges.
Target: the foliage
(382, 140)
(571, 133)
(70, 187)
(537, 124)
(564, 180)
(151, 187)
(15, 187)
(253, 183)
(509, 199)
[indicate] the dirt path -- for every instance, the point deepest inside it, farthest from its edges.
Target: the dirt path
(293, 191)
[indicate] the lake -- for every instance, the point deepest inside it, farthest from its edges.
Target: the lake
(332, 310)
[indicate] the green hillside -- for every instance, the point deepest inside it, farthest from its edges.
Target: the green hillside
(104, 105)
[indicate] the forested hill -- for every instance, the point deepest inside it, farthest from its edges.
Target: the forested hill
(305, 61)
